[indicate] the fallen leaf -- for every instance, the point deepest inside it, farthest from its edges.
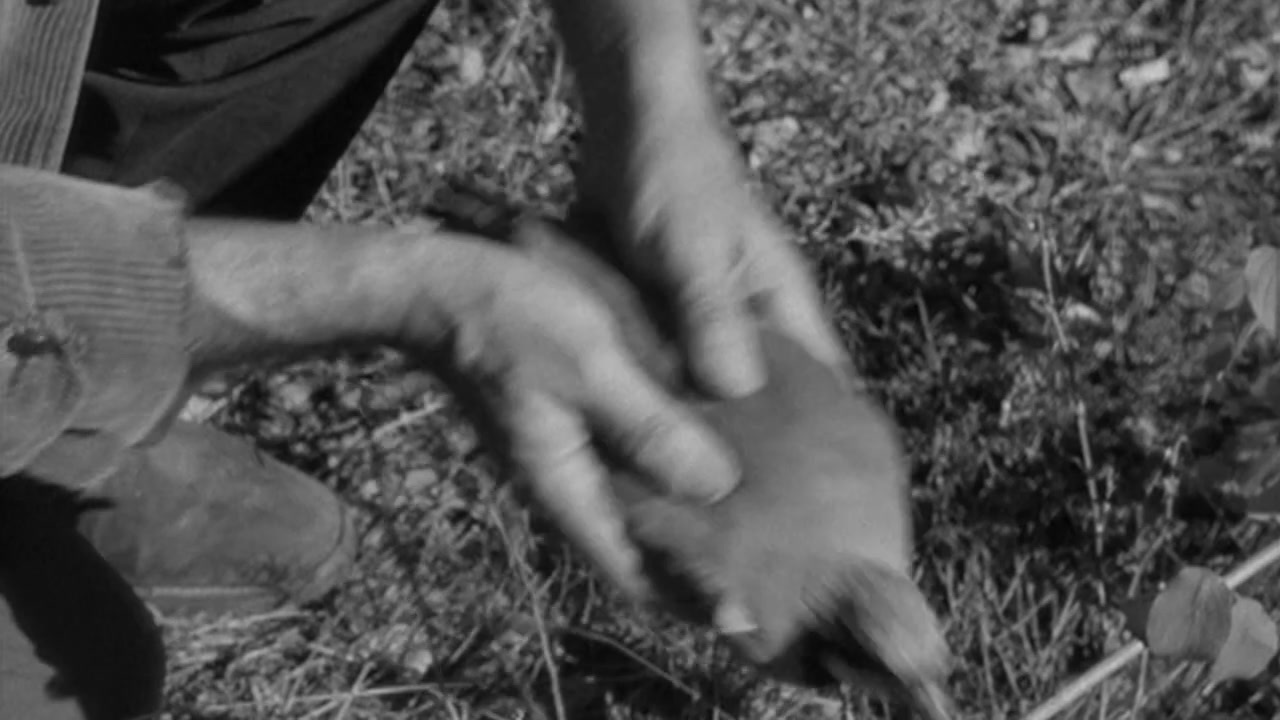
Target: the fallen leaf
(1251, 645)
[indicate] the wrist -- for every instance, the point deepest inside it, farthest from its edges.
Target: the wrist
(639, 64)
(442, 278)
(276, 291)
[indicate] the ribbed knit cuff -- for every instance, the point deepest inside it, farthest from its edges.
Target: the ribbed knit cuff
(93, 296)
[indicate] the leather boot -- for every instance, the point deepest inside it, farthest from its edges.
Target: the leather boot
(203, 521)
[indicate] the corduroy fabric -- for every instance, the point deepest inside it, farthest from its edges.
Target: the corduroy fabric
(92, 313)
(43, 47)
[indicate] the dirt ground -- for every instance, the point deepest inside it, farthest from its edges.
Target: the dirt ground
(1021, 214)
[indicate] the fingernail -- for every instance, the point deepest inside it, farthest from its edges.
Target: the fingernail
(738, 377)
(712, 471)
(731, 368)
(732, 618)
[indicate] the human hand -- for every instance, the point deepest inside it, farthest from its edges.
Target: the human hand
(545, 360)
(805, 567)
(683, 219)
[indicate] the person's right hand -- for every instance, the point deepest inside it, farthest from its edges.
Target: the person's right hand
(554, 378)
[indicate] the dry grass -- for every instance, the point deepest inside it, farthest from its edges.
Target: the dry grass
(1016, 238)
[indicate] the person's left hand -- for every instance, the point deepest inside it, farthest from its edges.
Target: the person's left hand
(684, 220)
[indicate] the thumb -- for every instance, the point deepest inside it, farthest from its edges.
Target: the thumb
(718, 334)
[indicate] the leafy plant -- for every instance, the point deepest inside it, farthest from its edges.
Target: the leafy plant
(1198, 617)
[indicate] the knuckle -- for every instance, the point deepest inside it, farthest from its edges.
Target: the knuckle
(706, 299)
(601, 364)
(649, 438)
(545, 436)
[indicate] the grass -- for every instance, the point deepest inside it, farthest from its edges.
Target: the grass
(1017, 211)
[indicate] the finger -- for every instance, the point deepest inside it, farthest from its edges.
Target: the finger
(719, 339)
(552, 449)
(790, 300)
(713, 322)
(659, 437)
(731, 617)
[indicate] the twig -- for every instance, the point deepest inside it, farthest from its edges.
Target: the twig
(406, 419)
(355, 690)
(1069, 695)
(383, 692)
(535, 608)
(635, 657)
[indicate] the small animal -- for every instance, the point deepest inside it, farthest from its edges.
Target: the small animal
(805, 567)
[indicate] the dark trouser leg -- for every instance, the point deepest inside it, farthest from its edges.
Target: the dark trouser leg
(75, 642)
(247, 106)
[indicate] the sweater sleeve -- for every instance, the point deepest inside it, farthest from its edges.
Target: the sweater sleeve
(93, 296)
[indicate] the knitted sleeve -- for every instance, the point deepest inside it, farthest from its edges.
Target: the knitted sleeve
(93, 294)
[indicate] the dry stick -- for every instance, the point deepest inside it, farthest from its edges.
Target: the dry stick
(1067, 696)
(535, 608)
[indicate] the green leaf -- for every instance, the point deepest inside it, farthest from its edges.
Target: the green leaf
(1190, 619)
(1219, 352)
(1250, 646)
(1227, 293)
(1262, 283)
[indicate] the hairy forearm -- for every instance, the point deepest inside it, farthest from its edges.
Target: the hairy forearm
(638, 63)
(277, 291)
